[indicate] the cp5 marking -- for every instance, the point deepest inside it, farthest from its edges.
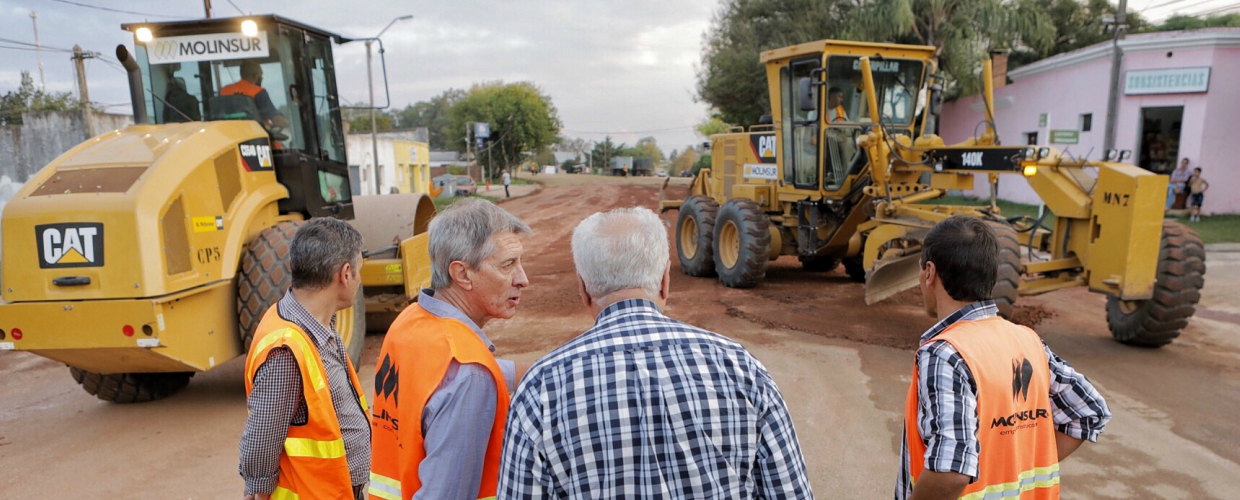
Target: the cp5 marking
(76, 244)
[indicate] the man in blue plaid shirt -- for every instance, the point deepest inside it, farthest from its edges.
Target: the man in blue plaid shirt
(642, 405)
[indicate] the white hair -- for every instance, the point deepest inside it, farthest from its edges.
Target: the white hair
(463, 232)
(622, 249)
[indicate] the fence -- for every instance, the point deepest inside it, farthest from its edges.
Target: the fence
(44, 135)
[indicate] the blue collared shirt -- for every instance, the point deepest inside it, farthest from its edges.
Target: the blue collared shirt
(457, 419)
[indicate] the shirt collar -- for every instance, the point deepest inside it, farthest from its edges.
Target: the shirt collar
(441, 308)
(981, 309)
(627, 306)
(292, 310)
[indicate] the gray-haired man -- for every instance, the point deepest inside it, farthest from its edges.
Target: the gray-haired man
(643, 405)
(441, 397)
(301, 438)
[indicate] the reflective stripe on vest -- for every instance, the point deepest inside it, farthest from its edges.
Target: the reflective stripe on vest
(1016, 436)
(384, 487)
(303, 447)
(292, 338)
(1037, 477)
(284, 494)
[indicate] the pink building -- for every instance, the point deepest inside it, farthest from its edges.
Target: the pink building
(1180, 98)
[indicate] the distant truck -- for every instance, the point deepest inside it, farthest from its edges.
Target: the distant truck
(621, 165)
(643, 167)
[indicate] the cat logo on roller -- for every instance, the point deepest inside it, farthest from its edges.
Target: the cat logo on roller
(77, 244)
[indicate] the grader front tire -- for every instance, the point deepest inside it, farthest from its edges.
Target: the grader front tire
(819, 264)
(695, 228)
(1007, 280)
(130, 387)
(742, 243)
(1177, 288)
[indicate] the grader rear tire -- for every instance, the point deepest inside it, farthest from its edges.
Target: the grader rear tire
(695, 228)
(855, 268)
(1007, 281)
(1177, 288)
(264, 277)
(130, 387)
(742, 243)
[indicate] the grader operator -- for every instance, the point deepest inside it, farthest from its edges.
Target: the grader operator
(145, 255)
(841, 171)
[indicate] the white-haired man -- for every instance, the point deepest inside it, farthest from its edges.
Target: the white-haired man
(642, 405)
(441, 397)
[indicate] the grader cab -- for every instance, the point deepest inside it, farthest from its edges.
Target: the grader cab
(145, 255)
(843, 168)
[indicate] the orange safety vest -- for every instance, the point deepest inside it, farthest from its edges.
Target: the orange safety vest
(1016, 432)
(419, 348)
(250, 90)
(840, 115)
(313, 465)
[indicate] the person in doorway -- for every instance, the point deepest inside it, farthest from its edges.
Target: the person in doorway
(642, 405)
(1178, 184)
(441, 396)
(1197, 187)
(251, 84)
(835, 105)
(507, 182)
(179, 105)
(303, 437)
(990, 407)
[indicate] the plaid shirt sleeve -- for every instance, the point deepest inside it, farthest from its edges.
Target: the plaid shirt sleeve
(523, 467)
(273, 401)
(947, 410)
(780, 466)
(1076, 407)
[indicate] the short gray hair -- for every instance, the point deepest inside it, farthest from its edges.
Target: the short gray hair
(319, 249)
(621, 249)
(463, 232)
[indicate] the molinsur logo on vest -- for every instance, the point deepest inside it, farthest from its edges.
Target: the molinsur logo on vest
(70, 245)
(213, 47)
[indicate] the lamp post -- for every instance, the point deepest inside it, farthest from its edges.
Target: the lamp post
(370, 82)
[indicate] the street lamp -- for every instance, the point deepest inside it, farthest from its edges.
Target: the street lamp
(374, 132)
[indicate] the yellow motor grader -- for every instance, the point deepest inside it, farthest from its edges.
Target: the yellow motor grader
(145, 255)
(845, 167)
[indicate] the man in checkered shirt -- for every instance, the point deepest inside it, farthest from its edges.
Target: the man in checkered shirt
(642, 405)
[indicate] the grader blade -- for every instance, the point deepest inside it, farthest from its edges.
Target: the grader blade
(891, 277)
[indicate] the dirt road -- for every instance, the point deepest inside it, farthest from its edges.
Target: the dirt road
(843, 368)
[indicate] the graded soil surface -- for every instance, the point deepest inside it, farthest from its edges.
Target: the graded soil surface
(843, 368)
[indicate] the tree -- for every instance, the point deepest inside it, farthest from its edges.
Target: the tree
(28, 98)
(1182, 22)
(604, 151)
(1078, 24)
(647, 147)
(701, 163)
(570, 166)
(522, 120)
(684, 161)
(436, 116)
(545, 157)
(359, 122)
(711, 126)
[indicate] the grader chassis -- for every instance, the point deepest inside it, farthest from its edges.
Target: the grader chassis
(842, 170)
(145, 255)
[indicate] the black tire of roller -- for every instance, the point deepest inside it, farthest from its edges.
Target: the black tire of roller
(127, 388)
(1007, 280)
(1177, 288)
(754, 253)
(264, 275)
(702, 210)
(819, 264)
(357, 342)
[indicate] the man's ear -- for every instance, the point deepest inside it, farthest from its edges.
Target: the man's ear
(932, 275)
(581, 290)
(665, 287)
(459, 273)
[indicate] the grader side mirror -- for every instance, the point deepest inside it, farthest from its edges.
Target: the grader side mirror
(805, 95)
(1125, 154)
(936, 98)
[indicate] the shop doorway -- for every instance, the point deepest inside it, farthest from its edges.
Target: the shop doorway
(1160, 138)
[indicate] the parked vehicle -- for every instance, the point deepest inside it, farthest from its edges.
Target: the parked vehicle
(465, 186)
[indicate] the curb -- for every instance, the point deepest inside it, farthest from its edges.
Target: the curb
(538, 189)
(1223, 247)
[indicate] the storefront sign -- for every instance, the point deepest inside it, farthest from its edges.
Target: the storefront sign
(213, 47)
(1167, 81)
(1065, 136)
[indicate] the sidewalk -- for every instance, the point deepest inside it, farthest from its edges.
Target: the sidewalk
(1223, 247)
(517, 191)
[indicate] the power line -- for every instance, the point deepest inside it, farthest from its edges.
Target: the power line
(230, 2)
(1189, 5)
(28, 44)
(109, 9)
(1218, 10)
(1164, 4)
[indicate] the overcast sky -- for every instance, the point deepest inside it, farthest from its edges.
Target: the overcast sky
(624, 67)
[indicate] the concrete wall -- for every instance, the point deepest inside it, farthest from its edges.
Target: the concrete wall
(44, 135)
(1072, 84)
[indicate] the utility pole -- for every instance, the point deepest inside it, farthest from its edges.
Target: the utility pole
(469, 144)
(1117, 59)
(206, 5)
(374, 132)
(79, 64)
(38, 50)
